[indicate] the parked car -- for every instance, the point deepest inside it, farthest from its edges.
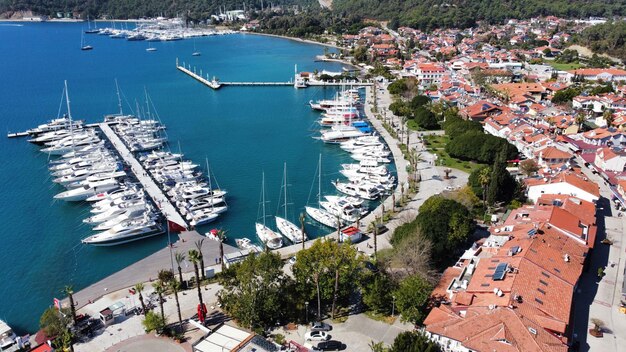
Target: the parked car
(320, 326)
(292, 260)
(331, 345)
(316, 336)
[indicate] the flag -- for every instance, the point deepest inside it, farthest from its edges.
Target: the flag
(57, 303)
(174, 227)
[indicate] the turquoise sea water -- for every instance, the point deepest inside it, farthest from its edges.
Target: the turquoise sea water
(243, 131)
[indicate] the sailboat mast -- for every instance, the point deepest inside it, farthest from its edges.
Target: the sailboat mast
(285, 178)
(119, 98)
(69, 112)
(263, 195)
(208, 172)
(319, 182)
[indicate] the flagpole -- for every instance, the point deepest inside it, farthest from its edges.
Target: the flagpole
(169, 244)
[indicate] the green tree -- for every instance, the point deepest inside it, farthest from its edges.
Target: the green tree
(53, 323)
(414, 341)
(502, 186)
(398, 87)
(315, 272)
(139, 288)
(377, 293)
(254, 291)
(194, 257)
(419, 101)
(180, 258)
(159, 288)
(154, 322)
(412, 298)
(175, 286)
(426, 119)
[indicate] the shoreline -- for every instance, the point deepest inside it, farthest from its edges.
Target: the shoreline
(307, 41)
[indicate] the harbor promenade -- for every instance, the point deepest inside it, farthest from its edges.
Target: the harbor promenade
(431, 183)
(147, 269)
(166, 207)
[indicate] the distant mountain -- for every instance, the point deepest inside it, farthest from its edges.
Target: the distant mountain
(196, 9)
(431, 14)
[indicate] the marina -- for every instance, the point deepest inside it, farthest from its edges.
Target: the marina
(217, 127)
(166, 207)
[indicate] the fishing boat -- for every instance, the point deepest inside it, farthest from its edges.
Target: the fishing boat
(270, 238)
(286, 227)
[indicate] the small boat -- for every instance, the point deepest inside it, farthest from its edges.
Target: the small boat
(246, 243)
(150, 49)
(7, 336)
(195, 52)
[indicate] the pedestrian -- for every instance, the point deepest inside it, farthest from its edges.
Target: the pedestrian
(217, 261)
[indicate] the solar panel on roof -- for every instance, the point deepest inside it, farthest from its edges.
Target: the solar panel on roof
(532, 232)
(500, 271)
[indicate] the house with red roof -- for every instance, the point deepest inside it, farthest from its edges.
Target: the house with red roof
(568, 183)
(595, 74)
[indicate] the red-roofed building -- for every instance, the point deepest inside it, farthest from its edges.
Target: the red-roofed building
(481, 110)
(594, 74)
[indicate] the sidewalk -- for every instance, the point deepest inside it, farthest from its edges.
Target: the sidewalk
(597, 298)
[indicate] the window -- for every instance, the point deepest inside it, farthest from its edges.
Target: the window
(545, 274)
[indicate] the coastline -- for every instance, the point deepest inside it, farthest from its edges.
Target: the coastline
(307, 41)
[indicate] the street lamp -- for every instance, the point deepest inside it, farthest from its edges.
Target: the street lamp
(306, 304)
(393, 306)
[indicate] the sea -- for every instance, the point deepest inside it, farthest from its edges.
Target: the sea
(243, 132)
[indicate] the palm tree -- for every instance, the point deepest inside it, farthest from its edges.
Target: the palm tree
(199, 244)
(176, 286)
(608, 117)
(484, 177)
(159, 288)
(221, 236)
(581, 117)
(302, 228)
(180, 257)
(139, 289)
(194, 257)
(69, 291)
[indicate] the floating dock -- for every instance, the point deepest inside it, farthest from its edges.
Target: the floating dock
(166, 207)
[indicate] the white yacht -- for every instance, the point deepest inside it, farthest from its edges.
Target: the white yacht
(129, 215)
(80, 194)
(117, 210)
(286, 227)
(357, 190)
(323, 217)
(345, 211)
(124, 232)
(246, 243)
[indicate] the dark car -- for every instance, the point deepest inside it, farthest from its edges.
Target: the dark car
(320, 326)
(330, 345)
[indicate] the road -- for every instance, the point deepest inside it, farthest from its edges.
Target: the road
(600, 298)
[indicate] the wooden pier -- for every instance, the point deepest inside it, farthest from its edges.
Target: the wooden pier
(167, 208)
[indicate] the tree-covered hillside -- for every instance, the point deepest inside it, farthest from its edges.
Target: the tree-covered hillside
(430, 14)
(608, 38)
(201, 9)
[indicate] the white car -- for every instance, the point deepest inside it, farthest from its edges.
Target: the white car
(316, 336)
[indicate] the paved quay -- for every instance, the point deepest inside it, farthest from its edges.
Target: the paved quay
(147, 269)
(166, 207)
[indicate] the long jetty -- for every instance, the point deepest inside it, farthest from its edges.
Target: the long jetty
(166, 207)
(216, 84)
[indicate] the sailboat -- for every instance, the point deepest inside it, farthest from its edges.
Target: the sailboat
(195, 52)
(286, 227)
(150, 47)
(318, 214)
(270, 238)
(82, 43)
(91, 30)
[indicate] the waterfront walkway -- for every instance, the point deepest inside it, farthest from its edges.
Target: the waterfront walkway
(147, 269)
(166, 207)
